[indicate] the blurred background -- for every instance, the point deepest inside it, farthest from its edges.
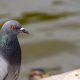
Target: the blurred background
(54, 40)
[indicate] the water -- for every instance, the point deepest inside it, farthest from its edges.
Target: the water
(53, 45)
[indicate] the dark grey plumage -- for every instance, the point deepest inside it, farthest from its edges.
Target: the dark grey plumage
(10, 51)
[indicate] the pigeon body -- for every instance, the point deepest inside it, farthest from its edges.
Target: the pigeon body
(10, 51)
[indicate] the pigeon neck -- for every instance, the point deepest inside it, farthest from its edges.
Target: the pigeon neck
(7, 39)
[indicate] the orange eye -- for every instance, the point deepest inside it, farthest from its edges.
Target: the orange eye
(13, 27)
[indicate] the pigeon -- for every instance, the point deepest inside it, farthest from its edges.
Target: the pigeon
(37, 74)
(10, 51)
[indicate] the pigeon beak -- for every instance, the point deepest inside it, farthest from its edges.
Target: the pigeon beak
(23, 30)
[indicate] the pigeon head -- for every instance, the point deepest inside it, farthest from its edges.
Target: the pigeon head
(13, 27)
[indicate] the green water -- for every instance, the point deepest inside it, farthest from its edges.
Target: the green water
(52, 43)
(54, 40)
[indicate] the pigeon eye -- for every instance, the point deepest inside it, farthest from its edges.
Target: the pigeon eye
(13, 27)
